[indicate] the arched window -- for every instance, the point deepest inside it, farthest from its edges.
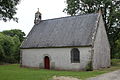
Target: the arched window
(75, 55)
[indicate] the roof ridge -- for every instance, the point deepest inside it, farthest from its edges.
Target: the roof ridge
(69, 16)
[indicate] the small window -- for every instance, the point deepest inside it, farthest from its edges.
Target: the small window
(75, 55)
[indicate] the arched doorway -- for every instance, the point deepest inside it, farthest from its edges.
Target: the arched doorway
(46, 62)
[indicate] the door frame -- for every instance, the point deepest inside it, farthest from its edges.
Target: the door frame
(46, 62)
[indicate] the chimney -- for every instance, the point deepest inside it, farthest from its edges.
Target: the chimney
(37, 17)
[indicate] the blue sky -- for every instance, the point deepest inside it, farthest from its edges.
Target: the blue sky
(26, 11)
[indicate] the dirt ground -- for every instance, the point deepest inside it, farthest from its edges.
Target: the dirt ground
(64, 78)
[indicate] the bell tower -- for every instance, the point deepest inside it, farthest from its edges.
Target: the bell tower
(37, 17)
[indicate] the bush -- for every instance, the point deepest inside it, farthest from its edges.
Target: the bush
(9, 48)
(89, 66)
(115, 62)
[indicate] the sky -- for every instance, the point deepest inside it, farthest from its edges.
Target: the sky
(26, 13)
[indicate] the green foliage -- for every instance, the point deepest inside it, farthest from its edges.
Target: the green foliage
(89, 66)
(110, 11)
(6, 42)
(17, 42)
(117, 49)
(15, 32)
(73, 7)
(115, 62)
(8, 9)
(1, 53)
(10, 45)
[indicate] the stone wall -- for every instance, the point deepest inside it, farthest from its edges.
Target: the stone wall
(101, 56)
(60, 58)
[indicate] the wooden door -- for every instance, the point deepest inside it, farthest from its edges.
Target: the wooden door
(46, 62)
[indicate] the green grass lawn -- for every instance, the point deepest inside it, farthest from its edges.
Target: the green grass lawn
(14, 72)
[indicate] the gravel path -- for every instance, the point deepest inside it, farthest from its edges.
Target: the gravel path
(115, 75)
(64, 78)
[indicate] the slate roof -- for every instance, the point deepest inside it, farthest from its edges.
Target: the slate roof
(62, 32)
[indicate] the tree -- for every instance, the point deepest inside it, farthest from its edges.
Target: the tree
(117, 48)
(1, 53)
(17, 43)
(7, 47)
(15, 32)
(117, 51)
(8, 9)
(110, 11)
(72, 7)
(10, 45)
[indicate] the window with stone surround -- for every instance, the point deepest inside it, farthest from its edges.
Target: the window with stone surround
(75, 55)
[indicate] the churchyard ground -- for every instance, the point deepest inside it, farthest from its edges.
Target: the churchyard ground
(14, 72)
